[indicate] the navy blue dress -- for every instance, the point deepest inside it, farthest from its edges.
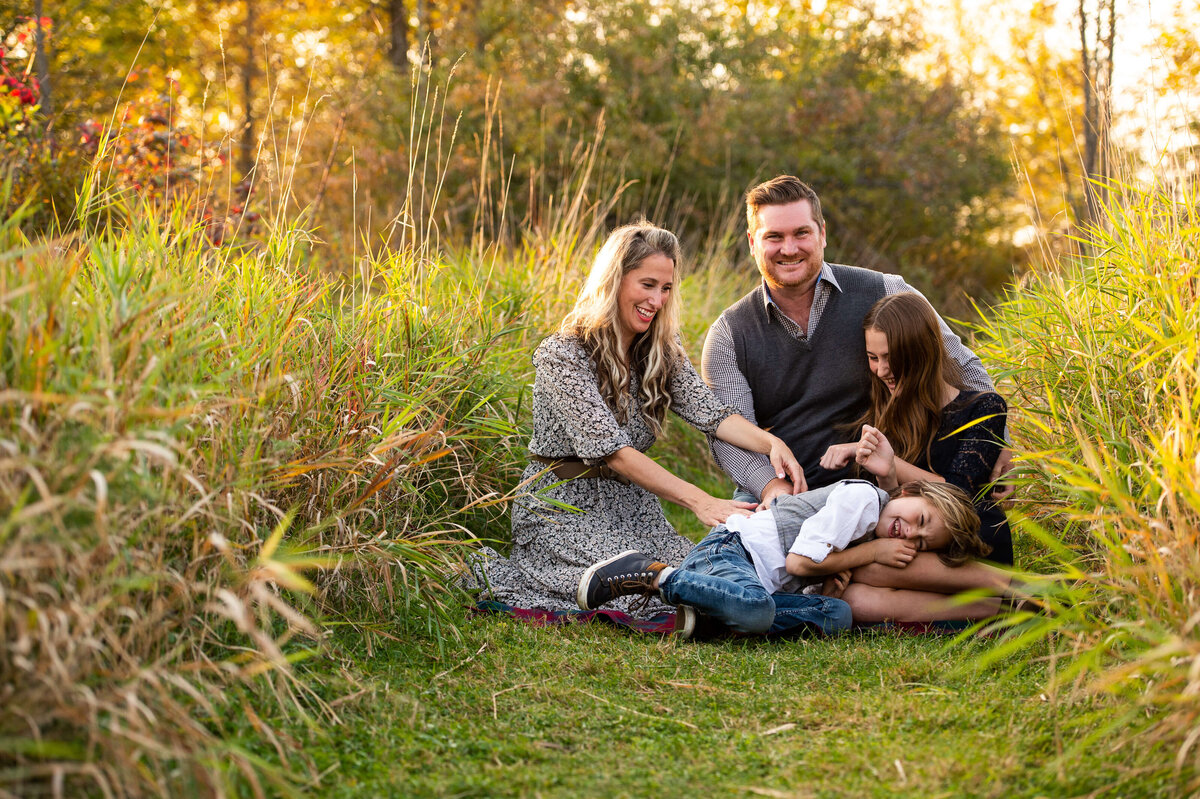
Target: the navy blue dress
(965, 458)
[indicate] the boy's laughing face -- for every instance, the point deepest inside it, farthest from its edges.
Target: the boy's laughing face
(914, 519)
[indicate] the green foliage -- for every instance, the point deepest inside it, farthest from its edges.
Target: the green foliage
(1101, 352)
(189, 432)
(676, 100)
(515, 710)
(694, 100)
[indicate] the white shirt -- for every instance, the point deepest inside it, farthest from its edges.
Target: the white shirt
(850, 514)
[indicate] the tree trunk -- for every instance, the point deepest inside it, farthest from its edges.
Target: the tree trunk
(42, 62)
(399, 52)
(249, 76)
(428, 41)
(1096, 55)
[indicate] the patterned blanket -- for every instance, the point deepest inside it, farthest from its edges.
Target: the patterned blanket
(664, 623)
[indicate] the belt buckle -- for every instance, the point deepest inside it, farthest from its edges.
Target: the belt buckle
(605, 471)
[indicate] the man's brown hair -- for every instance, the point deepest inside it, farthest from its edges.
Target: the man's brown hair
(781, 190)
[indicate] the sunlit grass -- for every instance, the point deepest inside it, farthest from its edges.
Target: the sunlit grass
(1101, 353)
(208, 454)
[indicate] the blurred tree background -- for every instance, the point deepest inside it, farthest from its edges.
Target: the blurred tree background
(909, 118)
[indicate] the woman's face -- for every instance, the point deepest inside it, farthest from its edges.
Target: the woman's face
(877, 357)
(644, 292)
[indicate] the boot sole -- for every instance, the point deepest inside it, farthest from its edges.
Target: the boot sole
(685, 621)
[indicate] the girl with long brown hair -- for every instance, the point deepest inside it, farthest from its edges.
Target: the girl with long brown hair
(931, 428)
(937, 429)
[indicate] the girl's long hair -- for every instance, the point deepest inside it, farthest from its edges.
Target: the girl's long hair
(594, 319)
(917, 359)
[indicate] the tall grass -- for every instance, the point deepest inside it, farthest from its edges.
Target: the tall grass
(1101, 353)
(187, 433)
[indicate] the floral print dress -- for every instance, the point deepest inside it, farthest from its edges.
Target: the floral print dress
(552, 547)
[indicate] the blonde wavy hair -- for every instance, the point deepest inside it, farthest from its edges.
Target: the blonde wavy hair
(594, 320)
(959, 514)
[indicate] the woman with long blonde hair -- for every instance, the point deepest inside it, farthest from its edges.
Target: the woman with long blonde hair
(603, 385)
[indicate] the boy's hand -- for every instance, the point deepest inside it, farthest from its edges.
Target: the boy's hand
(838, 455)
(835, 584)
(874, 452)
(775, 488)
(894, 552)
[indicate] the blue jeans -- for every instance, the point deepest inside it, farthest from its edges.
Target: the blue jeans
(742, 495)
(718, 579)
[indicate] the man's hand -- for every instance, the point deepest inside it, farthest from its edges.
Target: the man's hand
(786, 466)
(895, 552)
(775, 488)
(1002, 491)
(838, 455)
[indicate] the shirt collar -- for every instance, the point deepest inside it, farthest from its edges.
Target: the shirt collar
(826, 276)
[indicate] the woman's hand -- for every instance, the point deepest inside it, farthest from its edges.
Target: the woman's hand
(785, 465)
(874, 453)
(712, 511)
(839, 455)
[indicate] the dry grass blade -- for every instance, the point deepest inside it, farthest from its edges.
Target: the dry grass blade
(1103, 351)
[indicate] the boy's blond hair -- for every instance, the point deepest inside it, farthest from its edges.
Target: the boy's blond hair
(958, 513)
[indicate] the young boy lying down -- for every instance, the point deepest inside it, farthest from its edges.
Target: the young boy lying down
(750, 573)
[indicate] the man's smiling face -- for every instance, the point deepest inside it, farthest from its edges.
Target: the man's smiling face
(788, 245)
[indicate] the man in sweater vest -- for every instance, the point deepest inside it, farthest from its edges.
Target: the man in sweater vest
(790, 356)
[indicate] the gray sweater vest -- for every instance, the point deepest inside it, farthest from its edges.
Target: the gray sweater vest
(807, 392)
(792, 511)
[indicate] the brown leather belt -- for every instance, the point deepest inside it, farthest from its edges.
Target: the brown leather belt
(576, 469)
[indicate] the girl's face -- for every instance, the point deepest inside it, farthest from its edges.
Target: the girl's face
(877, 357)
(644, 292)
(914, 519)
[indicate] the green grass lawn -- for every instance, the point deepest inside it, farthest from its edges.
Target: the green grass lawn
(515, 710)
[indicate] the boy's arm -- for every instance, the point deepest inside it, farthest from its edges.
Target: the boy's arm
(896, 552)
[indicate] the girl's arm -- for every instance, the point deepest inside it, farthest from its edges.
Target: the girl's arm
(927, 573)
(969, 467)
(905, 472)
(738, 430)
(874, 453)
(639, 468)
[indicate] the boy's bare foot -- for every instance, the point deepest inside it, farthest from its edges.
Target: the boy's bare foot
(835, 584)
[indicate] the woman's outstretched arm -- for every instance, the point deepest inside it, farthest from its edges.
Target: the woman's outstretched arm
(641, 469)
